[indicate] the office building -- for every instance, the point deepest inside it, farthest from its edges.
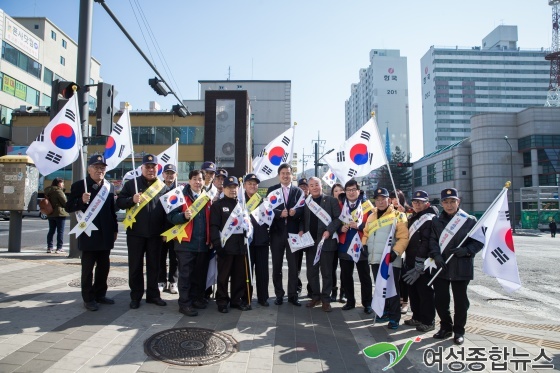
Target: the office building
(459, 82)
(383, 89)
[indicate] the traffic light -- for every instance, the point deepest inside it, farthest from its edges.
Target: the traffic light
(104, 111)
(61, 92)
(180, 110)
(158, 86)
(404, 164)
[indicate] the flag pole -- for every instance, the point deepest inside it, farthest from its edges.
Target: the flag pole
(476, 226)
(126, 112)
(384, 155)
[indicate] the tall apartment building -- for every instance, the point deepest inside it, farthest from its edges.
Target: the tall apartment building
(458, 83)
(383, 88)
(34, 53)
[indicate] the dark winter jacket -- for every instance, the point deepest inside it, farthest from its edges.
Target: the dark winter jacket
(419, 242)
(260, 232)
(57, 198)
(106, 220)
(219, 214)
(458, 269)
(331, 206)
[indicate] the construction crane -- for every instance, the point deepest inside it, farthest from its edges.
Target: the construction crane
(553, 96)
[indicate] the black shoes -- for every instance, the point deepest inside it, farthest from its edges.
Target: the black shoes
(134, 304)
(105, 300)
(264, 303)
(368, 310)
(199, 304)
(458, 339)
(157, 301)
(443, 334)
(279, 301)
(245, 307)
(223, 309)
(91, 306)
(188, 311)
(294, 301)
(348, 306)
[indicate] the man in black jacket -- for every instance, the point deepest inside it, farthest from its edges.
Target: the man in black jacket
(96, 247)
(170, 180)
(258, 248)
(286, 220)
(320, 230)
(421, 295)
(145, 219)
(231, 250)
(456, 262)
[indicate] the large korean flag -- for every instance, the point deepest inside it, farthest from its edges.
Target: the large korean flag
(119, 145)
(362, 153)
(60, 142)
(278, 151)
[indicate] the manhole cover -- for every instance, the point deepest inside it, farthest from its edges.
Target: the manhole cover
(190, 346)
(111, 282)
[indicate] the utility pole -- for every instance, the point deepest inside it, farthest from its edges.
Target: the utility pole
(82, 79)
(316, 144)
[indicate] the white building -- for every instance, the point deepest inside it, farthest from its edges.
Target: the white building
(458, 83)
(383, 88)
(34, 53)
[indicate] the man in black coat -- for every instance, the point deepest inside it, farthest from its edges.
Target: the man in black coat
(258, 249)
(286, 220)
(456, 262)
(232, 254)
(145, 222)
(320, 231)
(97, 247)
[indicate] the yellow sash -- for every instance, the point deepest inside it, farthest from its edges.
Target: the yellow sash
(253, 202)
(383, 222)
(367, 206)
(147, 196)
(178, 231)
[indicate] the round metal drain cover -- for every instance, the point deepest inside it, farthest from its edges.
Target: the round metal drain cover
(190, 346)
(111, 282)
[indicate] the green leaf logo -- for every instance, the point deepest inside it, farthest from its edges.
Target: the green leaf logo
(381, 348)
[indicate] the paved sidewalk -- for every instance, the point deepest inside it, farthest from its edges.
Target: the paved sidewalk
(45, 328)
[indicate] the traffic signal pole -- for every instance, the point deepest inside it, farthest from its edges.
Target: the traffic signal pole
(82, 79)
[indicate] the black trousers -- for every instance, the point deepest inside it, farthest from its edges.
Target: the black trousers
(422, 300)
(460, 301)
(163, 276)
(259, 263)
(279, 246)
(137, 248)
(347, 281)
(325, 267)
(393, 304)
(234, 269)
(334, 267)
(94, 285)
(403, 286)
(193, 269)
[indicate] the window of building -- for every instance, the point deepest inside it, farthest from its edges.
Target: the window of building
(548, 180)
(62, 61)
(64, 44)
(53, 35)
(163, 136)
(21, 60)
(146, 135)
(527, 181)
(92, 103)
(47, 76)
(418, 177)
(20, 90)
(526, 159)
(45, 100)
(431, 173)
(36, 27)
(6, 115)
(448, 170)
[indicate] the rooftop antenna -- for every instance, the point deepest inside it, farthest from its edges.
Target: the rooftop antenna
(553, 96)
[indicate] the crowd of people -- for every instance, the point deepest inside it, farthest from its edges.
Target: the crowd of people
(209, 233)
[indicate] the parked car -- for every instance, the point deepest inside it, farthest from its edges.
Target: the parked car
(35, 213)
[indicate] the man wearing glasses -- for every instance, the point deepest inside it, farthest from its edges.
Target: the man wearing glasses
(99, 198)
(145, 222)
(352, 198)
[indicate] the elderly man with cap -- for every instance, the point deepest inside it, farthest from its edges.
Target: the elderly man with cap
(377, 230)
(218, 182)
(456, 262)
(258, 248)
(170, 180)
(96, 230)
(304, 186)
(209, 169)
(144, 222)
(231, 248)
(193, 246)
(421, 295)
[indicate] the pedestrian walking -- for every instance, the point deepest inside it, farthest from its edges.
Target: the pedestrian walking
(57, 219)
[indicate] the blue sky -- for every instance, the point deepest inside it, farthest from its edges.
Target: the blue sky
(318, 45)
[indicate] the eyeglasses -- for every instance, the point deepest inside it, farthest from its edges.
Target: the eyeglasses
(351, 190)
(99, 168)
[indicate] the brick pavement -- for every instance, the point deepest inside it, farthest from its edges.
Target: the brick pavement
(44, 328)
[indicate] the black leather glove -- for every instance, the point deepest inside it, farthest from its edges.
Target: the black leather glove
(459, 252)
(440, 262)
(394, 255)
(365, 249)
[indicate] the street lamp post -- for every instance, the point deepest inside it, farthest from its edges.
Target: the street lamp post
(511, 186)
(317, 158)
